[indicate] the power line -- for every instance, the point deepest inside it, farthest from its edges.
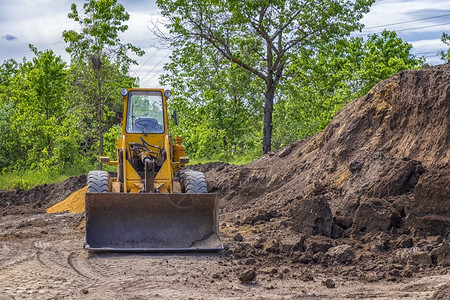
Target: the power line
(421, 27)
(405, 29)
(135, 72)
(428, 52)
(154, 66)
(434, 56)
(154, 69)
(410, 21)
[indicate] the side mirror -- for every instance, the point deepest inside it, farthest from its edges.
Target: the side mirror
(175, 117)
(119, 117)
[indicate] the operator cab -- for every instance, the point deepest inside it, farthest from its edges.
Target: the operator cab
(145, 112)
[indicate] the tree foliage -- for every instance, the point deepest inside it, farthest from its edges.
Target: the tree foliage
(317, 82)
(445, 55)
(53, 115)
(35, 124)
(219, 105)
(99, 57)
(235, 66)
(261, 36)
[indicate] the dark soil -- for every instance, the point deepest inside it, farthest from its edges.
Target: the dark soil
(38, 199)
(382, 165)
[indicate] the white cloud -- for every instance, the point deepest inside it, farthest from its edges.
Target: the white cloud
(41, 23)
(427, 45)
(396, 11)
(429, 49)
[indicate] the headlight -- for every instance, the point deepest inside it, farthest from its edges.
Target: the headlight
(167, 93)
(124, 92)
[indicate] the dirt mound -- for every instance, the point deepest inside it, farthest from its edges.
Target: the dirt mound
(367, 162)
(38, 199)
(382, 166)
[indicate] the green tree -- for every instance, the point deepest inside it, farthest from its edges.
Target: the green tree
(318, 83)
(218, 104)
(100, 57)
(34, 103)
(261, 36)
(445, 55)
(8, 70)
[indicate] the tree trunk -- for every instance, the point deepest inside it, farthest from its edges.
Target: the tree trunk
(100, 132)
(99, 112)
(268, 110)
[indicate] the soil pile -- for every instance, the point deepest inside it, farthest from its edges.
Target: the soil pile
(374, 182)
(382, 163)
(38, 199)
(73, 204)
(384, 157)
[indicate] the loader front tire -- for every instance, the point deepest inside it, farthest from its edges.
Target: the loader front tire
(193, 182)
(98, 182)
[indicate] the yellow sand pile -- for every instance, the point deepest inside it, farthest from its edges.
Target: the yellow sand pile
(73, 204)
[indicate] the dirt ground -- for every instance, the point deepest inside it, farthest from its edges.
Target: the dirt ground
(41, 257)
(360, 210)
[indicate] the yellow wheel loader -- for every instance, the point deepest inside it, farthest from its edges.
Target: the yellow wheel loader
(153, 204)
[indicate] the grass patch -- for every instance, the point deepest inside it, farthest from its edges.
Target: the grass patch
(27, 179)
(234, 160)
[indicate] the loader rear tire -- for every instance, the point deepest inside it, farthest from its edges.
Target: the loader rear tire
(193, 182)
(98, 182)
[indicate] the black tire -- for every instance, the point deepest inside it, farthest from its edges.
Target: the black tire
(193, 182)
(98, 182)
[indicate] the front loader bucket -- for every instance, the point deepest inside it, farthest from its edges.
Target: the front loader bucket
(151, 222)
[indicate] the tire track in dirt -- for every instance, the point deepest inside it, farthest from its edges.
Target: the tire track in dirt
(11, 257)
(79, 262)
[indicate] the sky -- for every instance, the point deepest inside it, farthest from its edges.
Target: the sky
(41, 22)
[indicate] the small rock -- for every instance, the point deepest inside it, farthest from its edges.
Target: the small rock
(442, 254)
(286, 151)
(238, 237)
(306, 277)
(305, 258)
(85, 291)
(318, 189)
(329, 283)
(421, 258)
(262, 216)
(373, 215)
(403, 255)
(336, 231)
(341, 254)
(317, 257)
(404, 241)
(355, 165)
(316, 244)
(312, 216)
(247, 276)
(272, 246)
